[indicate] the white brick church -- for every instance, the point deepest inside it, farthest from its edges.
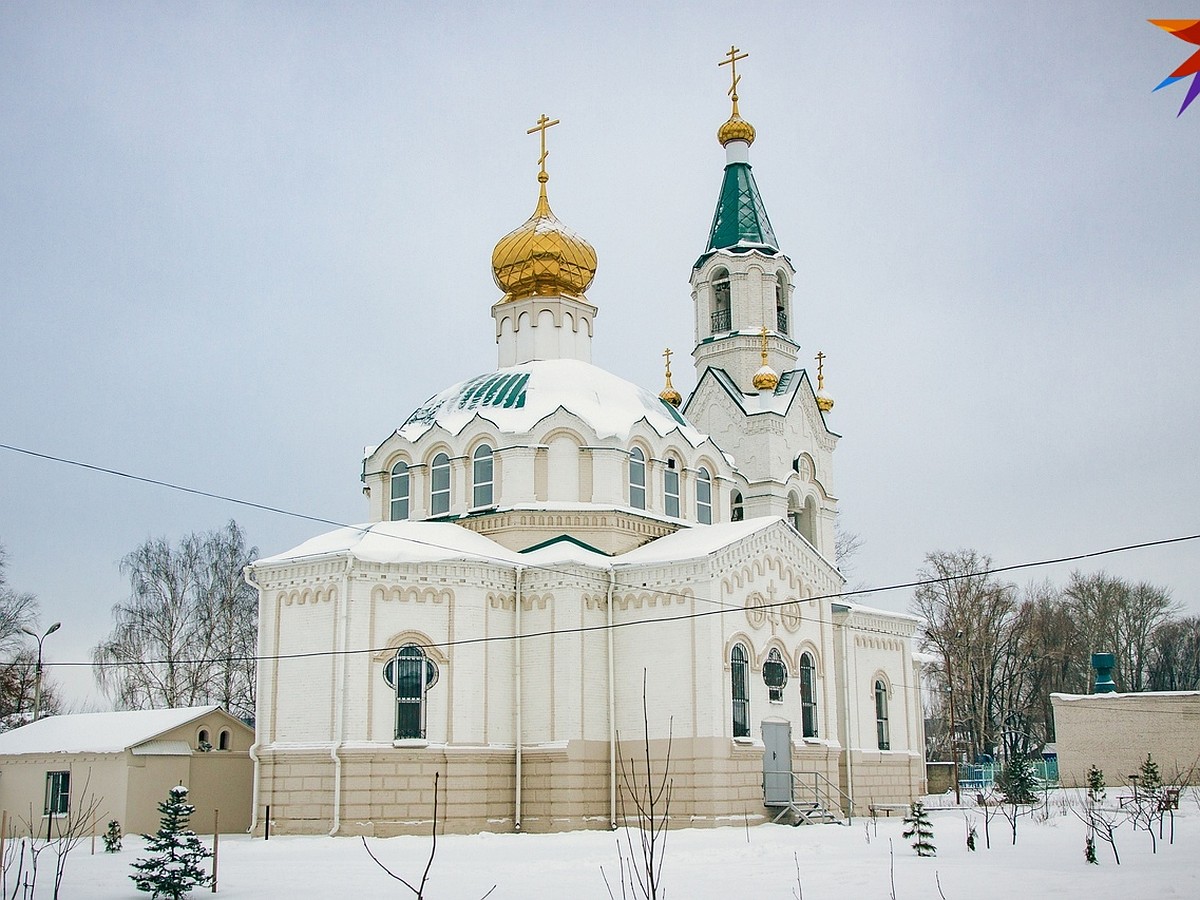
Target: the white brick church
(546, 537)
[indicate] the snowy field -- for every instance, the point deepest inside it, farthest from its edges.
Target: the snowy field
(835, 862)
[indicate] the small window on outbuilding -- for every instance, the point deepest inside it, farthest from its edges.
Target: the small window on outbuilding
(58, 793)
(400, 491)
(224, 739)
(881, 716)
(637, 478)
(775, 675)
(203, 744)
(738, 668)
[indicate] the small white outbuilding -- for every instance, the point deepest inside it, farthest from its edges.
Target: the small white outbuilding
(53, 768)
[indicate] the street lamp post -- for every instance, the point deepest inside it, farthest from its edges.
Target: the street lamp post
(37, 686)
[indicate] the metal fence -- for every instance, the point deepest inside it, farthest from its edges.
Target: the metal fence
(983, 776)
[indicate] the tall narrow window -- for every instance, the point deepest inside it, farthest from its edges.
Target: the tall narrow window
(637, 478)
(481, 474)
(671, 488)
(400, 486)
(439, 485)
(738, 667)
(721, 319)
(411, 674)
(736, 513)
(704, 497)
(781, 316)
(223, 739)
(808, 696)
(775, 676)
(58, 793)
(881, 716)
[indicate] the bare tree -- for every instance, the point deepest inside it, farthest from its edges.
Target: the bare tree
(650, 794)
(1174, 659)
(17, 661)
(187, 633)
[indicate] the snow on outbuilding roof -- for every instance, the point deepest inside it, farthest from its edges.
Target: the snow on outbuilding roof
(110, 732)
(516, 398)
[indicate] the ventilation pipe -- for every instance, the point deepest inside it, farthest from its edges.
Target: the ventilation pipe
(1104, 663)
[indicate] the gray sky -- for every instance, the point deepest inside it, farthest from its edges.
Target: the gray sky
(239, 242)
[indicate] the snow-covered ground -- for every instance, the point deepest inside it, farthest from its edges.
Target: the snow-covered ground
(834, 862)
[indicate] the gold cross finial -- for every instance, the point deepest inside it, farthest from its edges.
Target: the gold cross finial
(733, 55)
(820, 357)
(542, 124)
(667, 354)
(764, 344)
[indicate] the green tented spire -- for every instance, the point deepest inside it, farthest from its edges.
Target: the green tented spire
(740, 219)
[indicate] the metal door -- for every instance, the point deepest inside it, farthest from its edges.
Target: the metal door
(777, 763)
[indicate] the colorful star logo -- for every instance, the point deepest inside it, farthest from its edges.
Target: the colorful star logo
(1187, 30)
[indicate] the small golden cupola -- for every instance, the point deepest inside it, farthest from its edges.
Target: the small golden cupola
(735, 127)
(543, 257)
(824, 401)
(668, 392)
(765, 379)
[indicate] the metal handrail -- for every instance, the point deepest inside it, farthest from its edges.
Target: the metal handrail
(825, 797)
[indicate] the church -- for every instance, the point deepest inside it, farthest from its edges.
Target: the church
(563, 570)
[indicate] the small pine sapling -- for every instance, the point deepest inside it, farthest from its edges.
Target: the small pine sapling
(972, 833)
(174, 868)
(921, 829)
(112, 837)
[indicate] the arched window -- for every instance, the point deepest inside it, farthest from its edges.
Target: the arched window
(400, 486)
(439, 485)
(637, 478)
(881, 716)
(795, 512)
(223, 739)
(721, 319)
(202, 742)
(738, 667)
(410, 673)
(704, 497)
(671, 488)
(481, 475)
(808, 696)
(775, 675)
(781, 316)
(736, 513)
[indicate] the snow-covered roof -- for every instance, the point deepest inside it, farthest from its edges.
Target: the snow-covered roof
(110, 732)
(691, 543)
(399, 542)
(1131, 696)
(516, 398)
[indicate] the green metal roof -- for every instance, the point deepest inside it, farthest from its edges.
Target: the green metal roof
(741, 218)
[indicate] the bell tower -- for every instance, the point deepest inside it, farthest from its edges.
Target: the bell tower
(742, 283)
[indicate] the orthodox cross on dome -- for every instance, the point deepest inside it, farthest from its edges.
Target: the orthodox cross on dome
(733, 55)
(667, 354)
(764, 345)
(542, 124)
(820, 358)
(669, 393)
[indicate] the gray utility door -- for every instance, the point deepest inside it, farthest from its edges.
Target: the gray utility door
(777, 763)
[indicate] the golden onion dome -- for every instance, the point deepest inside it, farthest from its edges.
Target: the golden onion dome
(765, 379)
(672, 396)
(824, 402)
(735, 129)
(543, 257)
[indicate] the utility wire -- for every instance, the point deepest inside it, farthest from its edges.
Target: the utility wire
(722, 609)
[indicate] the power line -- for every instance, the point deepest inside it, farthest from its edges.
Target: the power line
(722, 609)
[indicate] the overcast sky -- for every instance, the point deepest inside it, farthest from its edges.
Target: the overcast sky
(240, 242)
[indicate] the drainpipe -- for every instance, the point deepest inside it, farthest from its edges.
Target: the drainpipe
(612, 711)
(248, 577)
(339, 703)
(849, 715)
(517, 697)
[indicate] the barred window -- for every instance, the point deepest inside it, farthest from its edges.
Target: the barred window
(739, 666)
(775, 675)
(410, 673)
(881, 716)
(808, 696)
